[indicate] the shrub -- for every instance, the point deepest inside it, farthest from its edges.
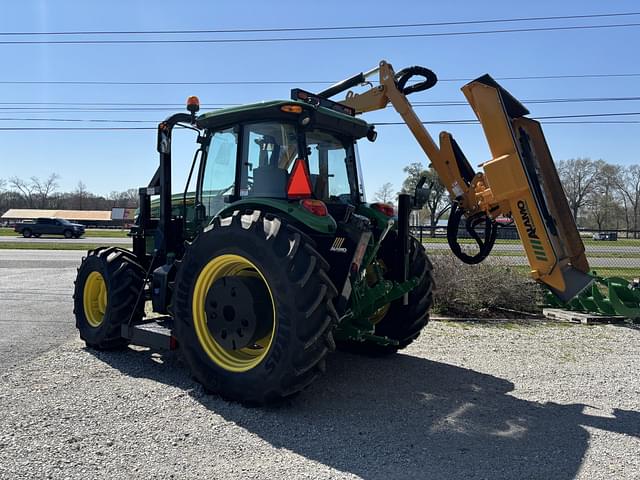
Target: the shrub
(483, 290)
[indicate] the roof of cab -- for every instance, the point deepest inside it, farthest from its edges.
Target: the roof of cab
(264, 111)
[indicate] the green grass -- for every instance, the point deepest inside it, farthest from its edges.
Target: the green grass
(96, 232)
(50, 246)
(106, 233)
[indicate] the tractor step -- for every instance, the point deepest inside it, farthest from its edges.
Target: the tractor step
(156, 333)
(580, 317)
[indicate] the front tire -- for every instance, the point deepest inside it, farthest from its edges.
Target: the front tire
(106, 294)
(68, 234)
(295, 322)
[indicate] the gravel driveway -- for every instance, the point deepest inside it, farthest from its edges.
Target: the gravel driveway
(466, 401)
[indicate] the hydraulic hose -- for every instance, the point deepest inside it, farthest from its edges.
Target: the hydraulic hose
(404, 75)
(484, 244)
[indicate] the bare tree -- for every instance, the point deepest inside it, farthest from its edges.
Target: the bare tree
(44, 188)
(578, 177)
(132, 195)
(36, 193)
(601, 199)
(80, 195)
(385, 194)
(629, 186)
(125, 199)
(24, 189)
(3, 196)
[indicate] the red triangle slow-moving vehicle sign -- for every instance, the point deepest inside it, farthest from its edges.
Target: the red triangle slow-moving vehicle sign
(299, 180)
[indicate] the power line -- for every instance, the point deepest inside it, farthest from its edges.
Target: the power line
(462, 121)
(534, 101)
(546, 117)
(18, 129)
(303, 82)
(129, 104)
(135, 107)
(586, 122)
(333, 28)
(586, 115)
(308, 39)
(74, 120)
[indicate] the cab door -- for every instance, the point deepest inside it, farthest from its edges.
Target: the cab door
(217, 176)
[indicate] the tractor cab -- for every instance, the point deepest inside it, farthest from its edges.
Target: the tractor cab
(294, 158)
(276, 160)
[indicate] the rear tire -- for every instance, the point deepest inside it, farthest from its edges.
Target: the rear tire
(26, 233)
(402, 323)
(106, 291)
(300, 317)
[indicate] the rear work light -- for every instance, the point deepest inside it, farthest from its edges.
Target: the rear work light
(317, 207)
(384, 208)
(291, 108)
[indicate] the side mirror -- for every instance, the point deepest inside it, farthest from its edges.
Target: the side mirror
(164, 139)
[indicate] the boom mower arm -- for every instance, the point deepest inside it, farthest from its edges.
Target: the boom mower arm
(520, 181)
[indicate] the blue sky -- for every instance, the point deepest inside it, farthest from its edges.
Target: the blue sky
(117, 160)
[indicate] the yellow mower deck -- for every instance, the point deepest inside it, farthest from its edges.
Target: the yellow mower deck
(522, 178)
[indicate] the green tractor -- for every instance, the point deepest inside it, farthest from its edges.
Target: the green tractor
(270, 262)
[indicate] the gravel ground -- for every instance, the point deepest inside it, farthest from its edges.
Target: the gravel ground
(466, 401)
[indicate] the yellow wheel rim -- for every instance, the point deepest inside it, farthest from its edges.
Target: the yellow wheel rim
(95, 299)
(243, 359)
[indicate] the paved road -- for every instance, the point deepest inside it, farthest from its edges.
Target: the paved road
(35, 302)
(97, 240)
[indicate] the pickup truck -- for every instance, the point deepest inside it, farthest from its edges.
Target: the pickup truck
(50, 226)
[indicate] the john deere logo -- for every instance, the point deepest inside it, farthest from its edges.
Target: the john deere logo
(536, 244)
(337, 245)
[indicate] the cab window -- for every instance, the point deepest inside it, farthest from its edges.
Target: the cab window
(269, 152)
(328, 160)
(218, 179)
